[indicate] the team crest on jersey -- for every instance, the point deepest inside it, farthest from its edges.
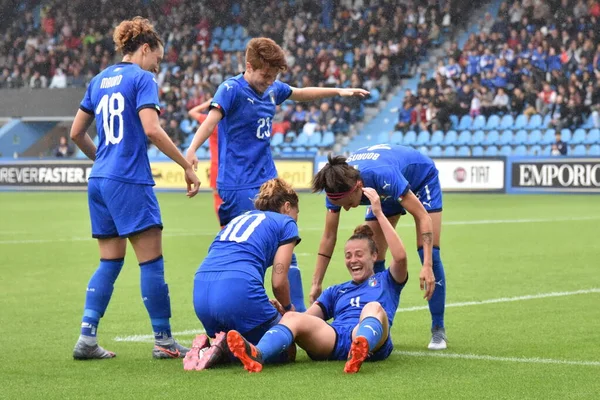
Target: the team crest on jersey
(272, 96)
(372, 281)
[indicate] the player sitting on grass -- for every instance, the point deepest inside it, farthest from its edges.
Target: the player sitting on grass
(363, 309)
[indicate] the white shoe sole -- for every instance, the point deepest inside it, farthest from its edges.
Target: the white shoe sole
(438, 346)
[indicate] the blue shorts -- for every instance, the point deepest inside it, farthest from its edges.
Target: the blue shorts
(343, 341)
(236, 202)
(120, 209)
(233, 300)
(430, 196)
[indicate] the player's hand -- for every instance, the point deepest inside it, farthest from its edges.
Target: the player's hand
(373, 197)
(192, 158)
(362, 93)
(315, 292)
(275, 303)
(427, 281)
(193, 183)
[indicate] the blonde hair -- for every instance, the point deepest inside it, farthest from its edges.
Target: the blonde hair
(132, 33)
(264, 52)
(273, 194)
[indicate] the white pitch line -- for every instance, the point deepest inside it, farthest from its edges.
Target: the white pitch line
(506, 299)
(150, 338)
(183, 233)
(534, 360)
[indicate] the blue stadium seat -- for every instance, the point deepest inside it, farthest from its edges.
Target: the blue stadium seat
(520, 122)
(373, 97)
(217, 33)
(437, 138)
(548, 137)
(492, 122)
(578, 136)
(395, 139)
(410, 138)
(328, 139)
(535, 122)
(465, 123)
(565, 135)
(450, 138)
(228, 33)
(313, 149)
(546, 121)
(287, 150)
(237, 45)
(450, 151)
(290, 138)
(423, 150)
(315, 139)
(477, 138)
(491, 138)
(463, 138)
(520, 151)
(477, 151)
(301, 140)
(535, 150)
(239, 32)
(188, 141)
(594, 150)
(226, 45)
(519, 138)
(534, 137)
(592, 137)
(506, 151)
(186, 126)
(589, 122)
(152, 151)
(478, 123)
(547, 150)
(423, 138)
(579, 150)
(277, 139)
(454, 121)
(301, 149)
(202, 153)
(463, 151)
(507, 122)
(349, 58)
(505, 138)
(491, 151)
(435, 151)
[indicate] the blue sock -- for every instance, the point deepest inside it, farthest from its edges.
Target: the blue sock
(155, 294)
(437, 303)
(99, 291)
(379, 266)
(371, 329)
(275, 341)
(296, 290)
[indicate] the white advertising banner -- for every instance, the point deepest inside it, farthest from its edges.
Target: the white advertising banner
(471, 174)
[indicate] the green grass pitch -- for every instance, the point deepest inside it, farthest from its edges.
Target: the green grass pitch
(523, 317)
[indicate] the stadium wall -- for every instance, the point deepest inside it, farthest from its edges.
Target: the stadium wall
(512, 175)
(44, 104)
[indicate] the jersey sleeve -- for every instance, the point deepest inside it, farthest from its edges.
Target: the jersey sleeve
(330, 206)
(147, 93)
(327, 302)
(282, 93)
(225, 97)
(86, 104)
(391, 283)
(392, 185)
(289, 232)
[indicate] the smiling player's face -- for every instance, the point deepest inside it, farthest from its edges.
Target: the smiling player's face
(260, 79)
(359, 259)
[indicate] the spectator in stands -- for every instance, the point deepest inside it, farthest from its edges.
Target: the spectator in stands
(405, 117)
(559, 148)
(326, 117)
(175, 133)
(63, 149)
(299, 118)
(501, 102)
(340, 120)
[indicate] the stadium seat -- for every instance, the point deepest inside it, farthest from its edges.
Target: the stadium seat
(506, 151)
(492, 122)
(463, 138)
(463, 151)
(535, 122)
(507, 122)
(465, 123)
(491, 151)
(491, 138)
(410, 138)
(301, 140)
(328, 139)
(349, 58)
(315, 139)
(435, 151)
(579, 150)
(217, 33)
(313, 149)
(188, 140)
(592, 137)
(519, 138)
(423, 138)
(202, 153)
(450, 138)
(547, 150)
(186, 126)
(237, 45)
(437, 138)
(239, 32)
(450, 151)
(478, 123)
(520, 122)
(548, 137)
(277, 139)
(454, 121)
(287, 150)
(594, 150)
(477, 138)
(300, 149)
(423, 150)
(578, 137)
(505, 138)
(396, 138)
(546, 121)
(226, 45)
(520, 151)
(477, 151)
(535, 150)
(565, 135)
(589, 122)
(534, 137)
(228, 33)
(373, 97)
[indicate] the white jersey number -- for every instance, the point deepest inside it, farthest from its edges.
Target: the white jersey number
(111, 108)
(232, 231)
(264, 128)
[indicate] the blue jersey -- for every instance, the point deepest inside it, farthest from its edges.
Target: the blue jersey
(245, 159)
(249, 242)
(345, 302)
(392, 171)
(115, 97)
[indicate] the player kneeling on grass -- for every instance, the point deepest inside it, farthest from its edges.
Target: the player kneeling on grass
(229, 290)
(363, 309)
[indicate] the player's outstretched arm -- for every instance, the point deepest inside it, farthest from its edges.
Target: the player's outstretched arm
(204, 131)
(326, 247)
(316, 93)
(195, 112)
(279, 276)
(398, 267)
(79, 135)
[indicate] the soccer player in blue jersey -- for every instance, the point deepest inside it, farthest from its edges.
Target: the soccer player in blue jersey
(243, 107)
(124, 100)
(363, 308)
(229, 290)
(406, 180)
